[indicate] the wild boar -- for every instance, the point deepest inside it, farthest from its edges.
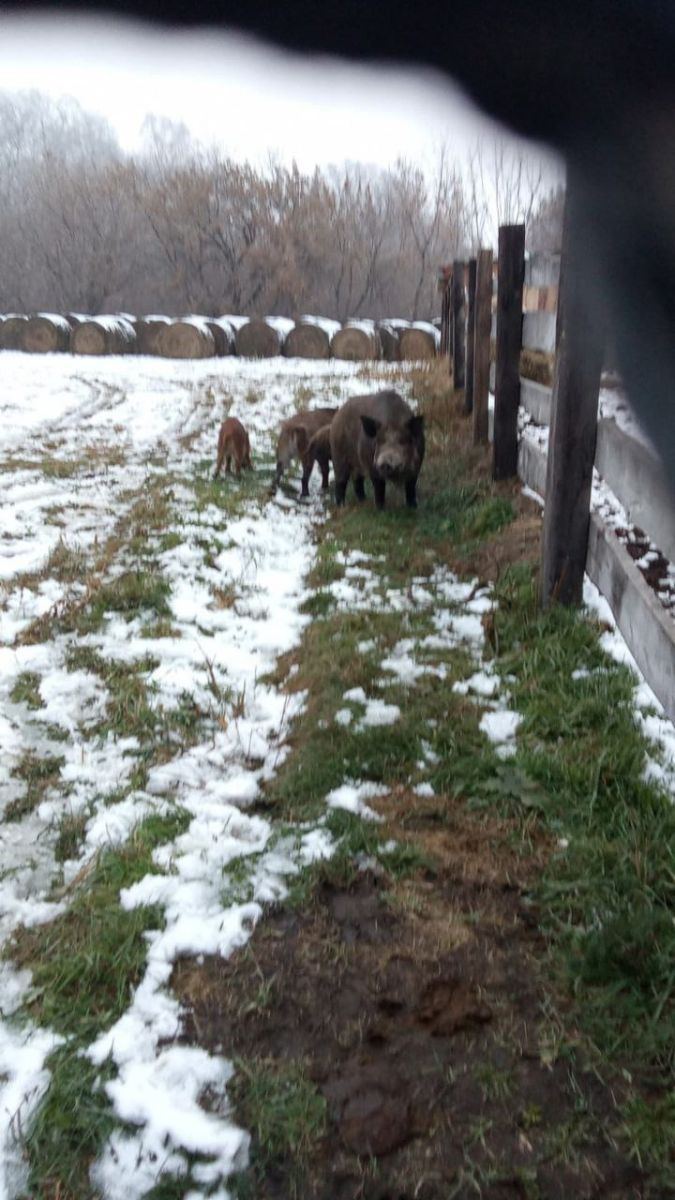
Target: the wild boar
(233, 446)
(380, 436)
(318, 450)
(295, 434)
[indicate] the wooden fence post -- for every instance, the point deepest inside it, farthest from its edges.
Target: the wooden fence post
(511, 273)
(444, 289)
(458, 325)
(470, 335)
(573, 429)
(481, 354)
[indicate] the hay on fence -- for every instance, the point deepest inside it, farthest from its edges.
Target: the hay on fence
(358, 342)
(257, 339)
(11, 333)
(417, 344)
(188, 338)
(103, 335)
(223, 335)
(538, 366)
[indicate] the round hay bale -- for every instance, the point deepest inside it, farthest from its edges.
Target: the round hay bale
(356, 342)
(46, 333)
(258, 339)
(308, 339)
(103, 335)
(390, 332)
(283, 326)
(148, 330)
(223, 336)
(12, 332)
(416, 344)
(187, 338)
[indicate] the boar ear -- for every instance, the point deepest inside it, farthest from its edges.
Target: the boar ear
(416, 426)
(370, 426)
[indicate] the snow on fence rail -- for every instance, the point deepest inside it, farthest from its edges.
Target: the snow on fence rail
(392, 339)
(630, 493)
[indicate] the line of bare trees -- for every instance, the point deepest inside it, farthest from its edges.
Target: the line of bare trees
(178, 228)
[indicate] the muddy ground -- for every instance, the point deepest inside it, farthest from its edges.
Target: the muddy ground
(419, 1013)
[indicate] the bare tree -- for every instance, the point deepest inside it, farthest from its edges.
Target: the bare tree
(544, 231)
(504, 185)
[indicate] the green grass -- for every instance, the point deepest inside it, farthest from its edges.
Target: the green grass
(285, 1114)
(26, 690)
(130, 594)
(71, 832)
(38, 774)
(608, 898)
(71, 1125)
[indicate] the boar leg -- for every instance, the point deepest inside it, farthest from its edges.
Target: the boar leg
(228, 465)
(340, 489)
(360, 487)
(323, 463)
(307, 466)
(410, 494)
(378, 487)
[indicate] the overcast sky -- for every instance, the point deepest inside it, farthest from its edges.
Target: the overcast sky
(238, 93)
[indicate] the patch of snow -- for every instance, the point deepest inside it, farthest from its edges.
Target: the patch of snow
(352, 796)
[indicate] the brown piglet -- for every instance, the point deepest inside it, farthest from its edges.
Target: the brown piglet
(295, 434)
(233, 446)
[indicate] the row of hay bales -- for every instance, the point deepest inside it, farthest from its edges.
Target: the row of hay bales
(208, 337)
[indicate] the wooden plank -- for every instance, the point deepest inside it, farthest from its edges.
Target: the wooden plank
(648, 629)
(536, 399)
(635, 475)
(540, 299)
(470, 336)
(458, 325)
(445, 319)
(509, 330)
(481, 354)
(573, 429)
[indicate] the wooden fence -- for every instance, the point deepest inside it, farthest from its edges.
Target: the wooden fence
(537, 308)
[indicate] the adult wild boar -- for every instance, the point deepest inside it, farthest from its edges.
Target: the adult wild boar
(295, 434)
(233, 446)
(318, 450)
(380, 436)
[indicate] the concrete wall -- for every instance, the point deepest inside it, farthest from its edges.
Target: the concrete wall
(542, 270)
(636, 477)
(648, 629)
(539, 331)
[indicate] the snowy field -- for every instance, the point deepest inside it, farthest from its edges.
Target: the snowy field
(87, 446)
(83, 441)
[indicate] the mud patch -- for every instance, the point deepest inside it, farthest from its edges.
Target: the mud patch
(427, 1040)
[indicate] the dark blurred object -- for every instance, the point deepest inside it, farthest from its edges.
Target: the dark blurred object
(596, 80)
